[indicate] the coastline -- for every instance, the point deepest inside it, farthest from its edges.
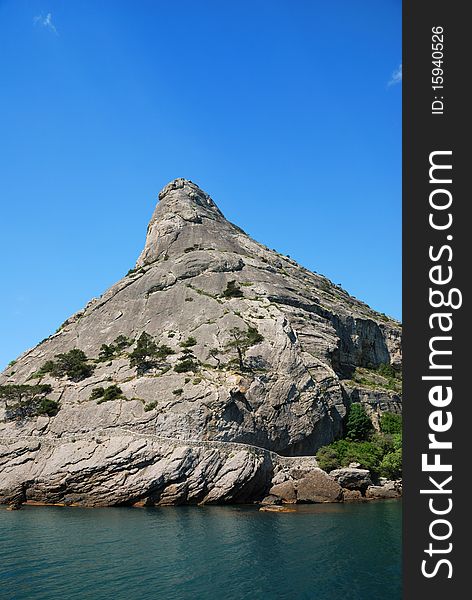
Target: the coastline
(267, 504)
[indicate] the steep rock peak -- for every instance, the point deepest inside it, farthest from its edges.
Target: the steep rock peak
(181, 203)
(181, 195)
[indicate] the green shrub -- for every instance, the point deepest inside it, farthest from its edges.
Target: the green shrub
(111, 351)
(391, 465)
(386, 370)
(97, 393)
(25, 401)
(368, 454)
(189, 342)
(121, 342)
(232, 290)
(253, 336)
(358, 424)
(135, 270)
(187, 361)
(390, 423)
(185, 365)
(107, 352)
(397, 441)
(241, 341)
(48, 407)
(327, 458)
(214, 353)
(178, 392)
(113, 392)
(163, 352)
(384, 442)
(150, 406)
(380, 452)
(382, 455)
(15, 393)
(72, 364)
(143, 356)
(48, 367)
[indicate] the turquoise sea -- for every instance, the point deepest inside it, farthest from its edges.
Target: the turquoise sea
(319, 552)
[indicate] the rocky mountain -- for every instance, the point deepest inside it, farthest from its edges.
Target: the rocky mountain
(211, 372)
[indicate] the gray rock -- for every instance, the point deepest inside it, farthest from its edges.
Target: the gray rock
(311, 487)
(317, 486)
(378, 492)
(289, 398)
(271, 500)
(352, 478)
(287, 492)
(352, 496)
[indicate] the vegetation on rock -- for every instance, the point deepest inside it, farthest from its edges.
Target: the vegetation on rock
(189, 342)
(241, 341)
(106, 353)
(382, 377)
(148, 355)
(135, 270)
(233, 290)
(112, 392)
(163, 352)
(386, 370)
(143, 357)
(391, 464)
(111, 351)
(46, 368)
(390, 423)
(97, 393)
(150, 406)
(23, 401)
(213, 353)
(73, 364)
(381, 453)
(186, 362)
(358, 424)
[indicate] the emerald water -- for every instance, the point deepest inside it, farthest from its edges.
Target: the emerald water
(319, 552)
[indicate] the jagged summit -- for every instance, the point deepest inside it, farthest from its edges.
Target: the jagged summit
(188, 193)
(211, 340)
(182, 204)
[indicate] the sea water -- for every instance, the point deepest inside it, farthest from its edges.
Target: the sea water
(318, 552)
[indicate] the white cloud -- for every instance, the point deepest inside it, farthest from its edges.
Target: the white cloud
(45, 22)
(396, 76)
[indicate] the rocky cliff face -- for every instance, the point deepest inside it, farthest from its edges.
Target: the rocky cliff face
(247, 359)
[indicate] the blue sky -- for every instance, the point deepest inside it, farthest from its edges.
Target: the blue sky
(287, 112)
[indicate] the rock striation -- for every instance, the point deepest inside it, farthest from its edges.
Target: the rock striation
(214, 370)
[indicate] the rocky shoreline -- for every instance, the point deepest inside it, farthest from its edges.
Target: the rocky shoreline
(349, 484)
(140, 469)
